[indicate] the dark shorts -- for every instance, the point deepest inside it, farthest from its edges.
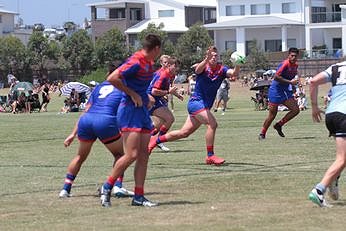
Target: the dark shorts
(195, 106)
(134, 119)
(104, 127)
(336, 124)
(158, 103)
(279, 95)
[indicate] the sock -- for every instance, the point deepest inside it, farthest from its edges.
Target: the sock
(321, 189)
(264, 131)
(139, 192)
(210, 150)
(161, 139)
(109, 183)
(68, 182)
(154, 132)
(282, 122)
(163, 130)
(119, 181)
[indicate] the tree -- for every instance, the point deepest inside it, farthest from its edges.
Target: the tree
(256, 58)
(191, 46)
(153, 29)
(12, 55)
(111, 46)
(39, 52)
(78, 51)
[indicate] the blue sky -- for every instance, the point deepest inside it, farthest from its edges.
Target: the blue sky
(50, 12)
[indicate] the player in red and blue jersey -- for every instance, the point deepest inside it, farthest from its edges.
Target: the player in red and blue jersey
(281, 92)
(160, 87)
(99, 121)
(210, 75)
(133, 78)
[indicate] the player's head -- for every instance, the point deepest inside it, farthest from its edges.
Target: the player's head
(152, 45)
(215, 54)
(164, 60)
(173, 65)
(293, 54)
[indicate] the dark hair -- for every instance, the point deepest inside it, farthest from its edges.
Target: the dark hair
(151, 41)
(293, 50)
(113, 66)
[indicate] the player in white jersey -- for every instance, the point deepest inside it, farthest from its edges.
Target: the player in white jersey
(336, 124)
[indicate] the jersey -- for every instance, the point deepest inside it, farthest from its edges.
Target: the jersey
(162, 80)
(137, 73)
(105, 99)
(287, 71)
(207, 84)
(336, 74)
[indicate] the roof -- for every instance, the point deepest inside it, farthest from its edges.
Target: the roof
(170, 25)
(252, 21)
(114, 3)
(196, 3)
(7, 11)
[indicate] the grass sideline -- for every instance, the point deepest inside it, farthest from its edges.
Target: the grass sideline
(263, 185)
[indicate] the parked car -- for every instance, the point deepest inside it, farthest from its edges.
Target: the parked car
(38, 27)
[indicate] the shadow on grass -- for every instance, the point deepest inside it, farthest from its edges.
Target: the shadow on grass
(303, 138)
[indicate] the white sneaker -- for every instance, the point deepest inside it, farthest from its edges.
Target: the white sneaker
(163, 147)
(64, 194)
(318, 199)
(122, 192)
(334, 189)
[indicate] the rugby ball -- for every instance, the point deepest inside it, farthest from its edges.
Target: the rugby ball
(237, 58)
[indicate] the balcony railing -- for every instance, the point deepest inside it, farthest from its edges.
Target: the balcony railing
(322, 17)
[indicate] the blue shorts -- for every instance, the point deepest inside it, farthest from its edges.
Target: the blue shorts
(93, 125)
(195, 106)
(158, 103)
(279, 95)
(134, 119)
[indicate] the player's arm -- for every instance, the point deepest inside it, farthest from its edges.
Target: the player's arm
(116, 80)
(314, 83)
(69, 139)
(201, 66)
(233, 72)
(278, 77)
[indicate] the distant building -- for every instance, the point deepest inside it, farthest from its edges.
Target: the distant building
(6, 21)
(280, 24)
(132, 16)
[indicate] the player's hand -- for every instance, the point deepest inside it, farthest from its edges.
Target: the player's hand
(151, 101)
(317, 114)
(137, 99)
(69, 140)
(209, 54)
(294, 81)
(173, 90)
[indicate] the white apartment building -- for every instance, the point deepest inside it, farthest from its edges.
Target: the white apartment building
(280, 24)
(6, 21)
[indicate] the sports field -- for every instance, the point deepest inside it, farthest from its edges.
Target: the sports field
(263, 186)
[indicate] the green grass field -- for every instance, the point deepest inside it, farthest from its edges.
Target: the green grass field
(263, 186)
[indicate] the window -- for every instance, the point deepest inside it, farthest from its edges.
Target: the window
(230, 45)
(318, 14)
(289, 7)
(257, 9)
(135, 14)
(272, 45)
(235, 10)
(209, 15)
(291, 43)
(166, 13)
(117, 13)
(0, 18)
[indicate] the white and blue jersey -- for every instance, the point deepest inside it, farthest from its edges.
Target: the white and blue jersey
(336, 74)
(100, 121)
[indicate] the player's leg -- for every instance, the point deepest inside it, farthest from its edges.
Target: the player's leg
(273, 110)
(207, 118)
(116, 148)
(140, 170)
(293, 108)
(317, 194)
(167, 118)
(74, 167)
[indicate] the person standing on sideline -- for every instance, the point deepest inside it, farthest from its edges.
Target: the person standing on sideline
(336, 124)
(210, 75)
(222, 95)
(159, 88)
(281, 92)
(133, 78)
